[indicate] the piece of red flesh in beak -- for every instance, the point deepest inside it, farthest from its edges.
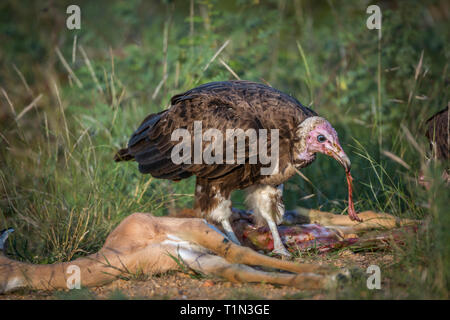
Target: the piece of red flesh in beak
(342, 158)
(351, 207)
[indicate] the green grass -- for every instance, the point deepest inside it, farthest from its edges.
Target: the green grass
(63, 193)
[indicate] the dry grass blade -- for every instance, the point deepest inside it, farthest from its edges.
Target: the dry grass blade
(9, 102)
(62, 112)
(159, 86)
(303, 176)
(216, 54)
(229, 68)
(91, 70)
(413, 141)
(24, 81)
(28, 108)
(396, 100)
(122, 94)
(74, 49)
(309, 196)
(191, 22)
(113, 91)
(112, 60)
(416, 76)
(396, 158)
(165, 45)
(265, 82)
(68, 68)
(419, 66)
(4, 138)
(310, 182)
(308, 73)
(177, 73)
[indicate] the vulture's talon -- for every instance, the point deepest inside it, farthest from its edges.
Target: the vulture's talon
(282, 252)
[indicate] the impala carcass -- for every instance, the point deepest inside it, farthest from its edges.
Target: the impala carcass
(148, 244)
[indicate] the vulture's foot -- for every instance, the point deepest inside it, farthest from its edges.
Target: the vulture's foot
(229, 232)
(282, 252)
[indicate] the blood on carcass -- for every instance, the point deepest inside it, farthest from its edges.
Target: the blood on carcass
(298, 237)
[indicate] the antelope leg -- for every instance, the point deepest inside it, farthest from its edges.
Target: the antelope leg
(266, 202)
(198, 232)
(218, 266)
(371, 220)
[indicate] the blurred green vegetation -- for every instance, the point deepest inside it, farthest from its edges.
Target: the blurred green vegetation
(63, 193)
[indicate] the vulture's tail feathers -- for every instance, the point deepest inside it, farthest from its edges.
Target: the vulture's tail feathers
(123, 155)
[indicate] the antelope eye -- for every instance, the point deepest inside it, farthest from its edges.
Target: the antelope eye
(321, 138)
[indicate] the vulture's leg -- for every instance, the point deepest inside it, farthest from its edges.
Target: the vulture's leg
(226, 225)
(266, 202)
(222, 213)
(215, 205)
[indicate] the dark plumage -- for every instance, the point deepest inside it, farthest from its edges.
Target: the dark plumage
(219, 105)
(232, 105)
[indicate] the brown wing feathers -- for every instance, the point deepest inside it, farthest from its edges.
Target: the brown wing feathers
(219, 105)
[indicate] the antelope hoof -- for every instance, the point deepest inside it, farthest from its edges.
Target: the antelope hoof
(342, 276)
(4, 236)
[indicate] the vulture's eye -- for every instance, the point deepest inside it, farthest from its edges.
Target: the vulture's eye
(321, 138)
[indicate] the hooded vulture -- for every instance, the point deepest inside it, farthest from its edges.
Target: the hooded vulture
(275, 135)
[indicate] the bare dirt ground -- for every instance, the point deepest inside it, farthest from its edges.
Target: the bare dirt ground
(178, 285)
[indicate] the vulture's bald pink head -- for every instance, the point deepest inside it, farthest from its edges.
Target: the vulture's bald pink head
(317, 135)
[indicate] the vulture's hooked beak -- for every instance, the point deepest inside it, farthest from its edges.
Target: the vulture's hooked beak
(341, 157)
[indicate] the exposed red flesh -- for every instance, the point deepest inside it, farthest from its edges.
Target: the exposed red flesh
(351, 207)
(323, 239)
(298, 237)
